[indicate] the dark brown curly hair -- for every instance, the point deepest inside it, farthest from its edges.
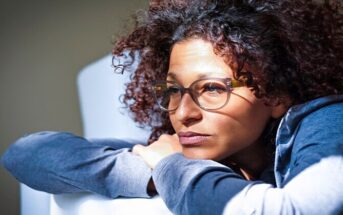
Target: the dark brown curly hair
(287, 49)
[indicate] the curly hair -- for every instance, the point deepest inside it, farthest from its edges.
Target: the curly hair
(287, 50)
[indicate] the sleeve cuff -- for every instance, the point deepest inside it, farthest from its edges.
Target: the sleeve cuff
(139, 174)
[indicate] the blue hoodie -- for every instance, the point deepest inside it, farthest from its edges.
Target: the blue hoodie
(308, 169)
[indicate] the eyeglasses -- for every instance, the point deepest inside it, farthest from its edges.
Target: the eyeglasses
(208, 93)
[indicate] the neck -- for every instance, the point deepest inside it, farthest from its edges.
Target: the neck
(250, 162)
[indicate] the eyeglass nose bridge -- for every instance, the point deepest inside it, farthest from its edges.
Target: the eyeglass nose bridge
(189, 90)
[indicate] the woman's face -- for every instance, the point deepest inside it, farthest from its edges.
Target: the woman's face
(219, 133)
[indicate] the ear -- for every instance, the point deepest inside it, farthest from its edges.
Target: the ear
(279, 110)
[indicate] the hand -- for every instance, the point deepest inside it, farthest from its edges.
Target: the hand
(155, 152)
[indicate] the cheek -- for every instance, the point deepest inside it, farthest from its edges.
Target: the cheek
(239, 129)
(234, 128)
(249, 113)
(175, 123)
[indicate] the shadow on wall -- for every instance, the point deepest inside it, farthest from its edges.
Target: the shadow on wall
(43, 46)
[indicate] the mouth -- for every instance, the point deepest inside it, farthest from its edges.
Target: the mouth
(192, 138)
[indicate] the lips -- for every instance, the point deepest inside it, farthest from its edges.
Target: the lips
(192, 138)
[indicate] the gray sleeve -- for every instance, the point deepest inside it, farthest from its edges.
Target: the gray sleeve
(196, 186)
(316, 190)
(60, 162)
(205, 187)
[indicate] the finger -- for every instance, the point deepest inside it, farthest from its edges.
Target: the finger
(137, 149)
(177, 146)
(146, 154)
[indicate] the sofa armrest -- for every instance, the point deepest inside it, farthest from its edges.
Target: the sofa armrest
(90, 204)
(33, 202)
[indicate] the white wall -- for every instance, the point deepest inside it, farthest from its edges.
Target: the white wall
(43, 45)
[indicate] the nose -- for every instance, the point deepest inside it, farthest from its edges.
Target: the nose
(188, 112)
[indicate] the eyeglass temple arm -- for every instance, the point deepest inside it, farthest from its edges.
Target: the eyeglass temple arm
(237, 83)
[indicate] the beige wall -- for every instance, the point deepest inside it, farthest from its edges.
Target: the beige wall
(43, 45)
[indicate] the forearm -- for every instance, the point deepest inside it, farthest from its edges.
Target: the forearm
(317, 190)
(58, 162)
(196, 186)
(204, 187)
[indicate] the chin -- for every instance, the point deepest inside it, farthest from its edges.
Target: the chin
(198, 153)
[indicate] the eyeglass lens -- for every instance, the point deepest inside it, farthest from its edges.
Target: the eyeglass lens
(208, 94)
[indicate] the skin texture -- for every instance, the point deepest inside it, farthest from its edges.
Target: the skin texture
(233, 130)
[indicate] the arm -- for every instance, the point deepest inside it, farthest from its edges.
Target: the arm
(313, 183)
(317, 190)
(205, 187)
(189, 186)
(195, 186)
(59, 162)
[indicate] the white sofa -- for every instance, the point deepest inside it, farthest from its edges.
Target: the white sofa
(103, 116)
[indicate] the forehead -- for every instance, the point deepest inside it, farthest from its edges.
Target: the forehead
(194, 58)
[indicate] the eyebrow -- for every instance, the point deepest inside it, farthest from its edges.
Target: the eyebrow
(200, 76)
(171, 75)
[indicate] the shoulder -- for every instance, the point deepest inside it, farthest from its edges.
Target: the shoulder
(320, 117)
(329, 114)
(318, 114)
(315, 110)
(307, 134)
(318, 135)
(322, 123)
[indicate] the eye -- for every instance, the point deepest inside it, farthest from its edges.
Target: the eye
(172, 90)
(214, 88)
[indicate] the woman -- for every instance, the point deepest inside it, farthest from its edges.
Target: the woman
(224, 74)
(289, 56)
